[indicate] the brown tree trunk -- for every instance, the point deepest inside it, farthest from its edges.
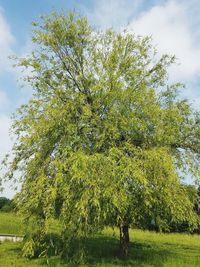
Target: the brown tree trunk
(124, 239)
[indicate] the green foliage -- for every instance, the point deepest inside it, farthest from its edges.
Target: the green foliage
(194, 198)
(165, 223)
(45, 245)
(104, 136)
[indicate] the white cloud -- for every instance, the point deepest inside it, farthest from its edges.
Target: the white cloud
(6, 41)
(112, 13)
(6, 142)
(4, 101)
(170, 28)
(5, 146)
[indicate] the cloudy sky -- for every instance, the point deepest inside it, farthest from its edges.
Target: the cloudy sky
(174, 26)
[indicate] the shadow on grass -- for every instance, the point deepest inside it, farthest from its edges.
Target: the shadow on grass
(104, 250)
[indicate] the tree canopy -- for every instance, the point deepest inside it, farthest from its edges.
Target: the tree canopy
(105, 135)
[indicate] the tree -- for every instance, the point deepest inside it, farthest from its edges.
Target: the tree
(104, 137)
(4, 201)
(6, 204)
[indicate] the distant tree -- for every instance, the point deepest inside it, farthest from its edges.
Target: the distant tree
(6, 204)
(104, 136)
(3, 201)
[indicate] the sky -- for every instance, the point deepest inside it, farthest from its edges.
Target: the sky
(174, 27)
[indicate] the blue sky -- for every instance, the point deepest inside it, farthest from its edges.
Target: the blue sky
(174, 26)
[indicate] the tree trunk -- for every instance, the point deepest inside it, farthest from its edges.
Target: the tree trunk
(124, 239)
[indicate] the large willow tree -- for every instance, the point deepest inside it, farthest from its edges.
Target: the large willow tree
(105, 136)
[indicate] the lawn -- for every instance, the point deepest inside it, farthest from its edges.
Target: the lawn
(10, 223)
(147, 249)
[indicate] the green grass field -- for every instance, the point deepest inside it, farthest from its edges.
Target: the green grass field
(147, 249)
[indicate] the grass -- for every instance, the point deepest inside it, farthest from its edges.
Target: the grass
(147, 249)
(10, 223)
